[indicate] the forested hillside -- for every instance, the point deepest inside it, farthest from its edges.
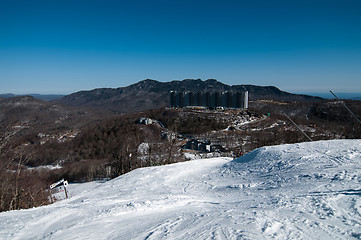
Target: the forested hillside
(42, 142)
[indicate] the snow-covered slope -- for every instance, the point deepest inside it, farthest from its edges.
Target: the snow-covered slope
(299, 191)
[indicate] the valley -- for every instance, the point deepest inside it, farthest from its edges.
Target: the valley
(44, 141)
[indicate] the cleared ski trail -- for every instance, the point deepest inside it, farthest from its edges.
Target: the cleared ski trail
(306, 190)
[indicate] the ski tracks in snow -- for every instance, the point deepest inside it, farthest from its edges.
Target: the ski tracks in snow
(298, 191)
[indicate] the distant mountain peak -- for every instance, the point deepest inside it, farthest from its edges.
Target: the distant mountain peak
(213, 81)
(149, 94)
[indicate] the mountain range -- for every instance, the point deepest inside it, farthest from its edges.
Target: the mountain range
(150, 94)
(44, 97)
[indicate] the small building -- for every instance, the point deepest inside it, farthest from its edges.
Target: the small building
(201, 146)
(145, 121)
(217, 148)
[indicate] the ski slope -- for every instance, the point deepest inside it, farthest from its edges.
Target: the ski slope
(297, 191)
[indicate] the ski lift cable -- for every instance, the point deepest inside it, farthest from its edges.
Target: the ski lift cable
(346, 107)
(298, 127)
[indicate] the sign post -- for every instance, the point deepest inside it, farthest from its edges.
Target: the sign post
(61, 183)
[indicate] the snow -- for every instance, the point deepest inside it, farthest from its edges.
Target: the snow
(45, 167)
(296, 191)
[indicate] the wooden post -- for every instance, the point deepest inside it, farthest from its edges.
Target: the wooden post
(51, 196)
(66, 193)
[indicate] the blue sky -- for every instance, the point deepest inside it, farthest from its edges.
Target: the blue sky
(63, 46)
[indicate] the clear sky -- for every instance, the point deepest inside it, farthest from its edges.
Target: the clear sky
(63, 46)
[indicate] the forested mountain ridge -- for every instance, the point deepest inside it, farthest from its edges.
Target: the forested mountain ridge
(149, 94)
